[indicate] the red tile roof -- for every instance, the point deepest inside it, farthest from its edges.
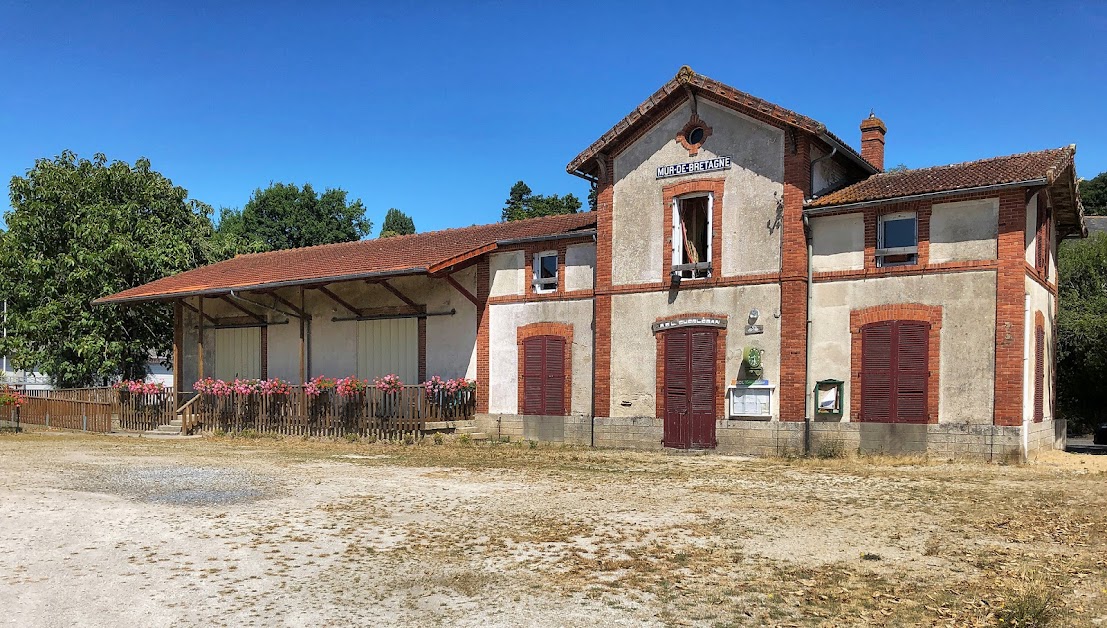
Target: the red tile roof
(413, 254)
(1045, 164)
(688, 79)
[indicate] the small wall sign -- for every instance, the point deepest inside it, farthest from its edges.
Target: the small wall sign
(754, 329)
(691, 321)
(694, 167)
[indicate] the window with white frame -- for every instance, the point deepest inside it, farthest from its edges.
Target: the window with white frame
(545, 271)
(897, 239)
(692, 236)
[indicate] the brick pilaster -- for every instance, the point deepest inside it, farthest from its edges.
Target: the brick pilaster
(605, 198)
(1010, 302)
(483, 289)
(793, 281)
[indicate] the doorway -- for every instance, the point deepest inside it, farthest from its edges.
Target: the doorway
(690, 389)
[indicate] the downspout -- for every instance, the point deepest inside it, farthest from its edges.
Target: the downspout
(808, 416)
(592, 429)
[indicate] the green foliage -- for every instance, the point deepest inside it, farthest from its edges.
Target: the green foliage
(898, 168)
(397, 223)
(1093, 194)
(82, 229)
(523, 203)
(1082, 333)
(593, 197)
(285, 216)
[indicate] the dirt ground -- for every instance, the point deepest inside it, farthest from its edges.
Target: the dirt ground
(109, 531)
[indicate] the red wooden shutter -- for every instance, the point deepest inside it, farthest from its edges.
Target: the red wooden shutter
(554, 394)
(533, 381)
(676, 371)
(912, 371)
(703, 380)
(876, 372)
(1039, 374)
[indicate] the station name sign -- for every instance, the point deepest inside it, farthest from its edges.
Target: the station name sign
(691, 321)
(694, 167)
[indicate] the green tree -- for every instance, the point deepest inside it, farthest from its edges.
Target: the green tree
(82, 229)
(1093, 195)
(285, 216)
(1082, 332)
(397, 223)
(523, 203)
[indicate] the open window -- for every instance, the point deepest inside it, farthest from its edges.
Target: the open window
(545, 271)
(692, 236)
(897, 239)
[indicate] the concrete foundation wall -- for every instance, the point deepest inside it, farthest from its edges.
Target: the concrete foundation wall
(750, 212)
(967, 341)
(503, 349)
(634, 345)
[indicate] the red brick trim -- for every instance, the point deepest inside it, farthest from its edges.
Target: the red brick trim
(682, 135)
(1039, 324)
(561, 330)
(711, 282)
(720, 363)
(601, 396)
(482, 334)
(1010, 308)
(793, 278)
(572, 295)
(896, 312)
(899, 271)
(529, 251)
(922, 214)
(668, 193)
(605, 194)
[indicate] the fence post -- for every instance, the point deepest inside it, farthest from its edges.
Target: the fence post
(84, 420)
(47, 418)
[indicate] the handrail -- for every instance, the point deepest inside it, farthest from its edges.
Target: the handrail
(187, 404)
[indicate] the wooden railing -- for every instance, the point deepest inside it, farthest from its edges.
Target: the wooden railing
(146, 411)
(71, 414)
(104, 394)
(369, 413)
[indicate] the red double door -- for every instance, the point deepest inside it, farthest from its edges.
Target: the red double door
(690, 389)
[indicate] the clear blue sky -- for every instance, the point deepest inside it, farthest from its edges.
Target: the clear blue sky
(438, 108)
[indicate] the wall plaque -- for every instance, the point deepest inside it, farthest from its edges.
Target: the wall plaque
(694, 167)
(691, 321)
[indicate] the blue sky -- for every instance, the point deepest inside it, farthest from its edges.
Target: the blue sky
(437, 108)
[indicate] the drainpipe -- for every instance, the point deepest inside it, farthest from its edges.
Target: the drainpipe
(808, 416)
(592, 430)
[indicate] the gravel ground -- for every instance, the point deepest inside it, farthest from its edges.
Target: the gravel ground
(99, 531)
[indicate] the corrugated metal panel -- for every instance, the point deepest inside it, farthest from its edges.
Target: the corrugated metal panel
(238, 353)
(388, 346)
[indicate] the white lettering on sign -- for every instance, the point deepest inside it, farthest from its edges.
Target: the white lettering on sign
(696, 321)
(694, 167)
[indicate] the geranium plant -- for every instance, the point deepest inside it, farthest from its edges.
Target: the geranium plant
(11, 397)
(390, 383)
(319, 385)
(350, 386)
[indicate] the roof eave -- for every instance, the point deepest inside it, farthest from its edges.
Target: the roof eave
(826, 209)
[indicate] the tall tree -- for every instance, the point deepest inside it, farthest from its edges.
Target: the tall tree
(1093, 195)
(397, 223)
(523, 203)
(285, 216)
(1082, 332)
(82, 229)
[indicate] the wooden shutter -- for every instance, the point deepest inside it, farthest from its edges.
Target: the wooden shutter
(1039, 374)
(895, 372)
(912, 370)
(703, 377)
(876, 372)
(543, 372)
(676, 371)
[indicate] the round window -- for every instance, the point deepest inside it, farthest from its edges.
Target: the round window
(695, 136)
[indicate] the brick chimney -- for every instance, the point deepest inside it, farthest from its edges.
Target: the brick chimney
(872, 140)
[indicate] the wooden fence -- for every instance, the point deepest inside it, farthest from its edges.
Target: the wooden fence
(371, 413)
(104, 394)
(146, 411)
(70, 414)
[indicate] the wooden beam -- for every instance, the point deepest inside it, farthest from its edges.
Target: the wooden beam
(303, 353)
(460, 288)
(257, 317)
(399, 295)
(337, 299)
(200, 342)
(299, 311)
(202, 315)
(178, 346)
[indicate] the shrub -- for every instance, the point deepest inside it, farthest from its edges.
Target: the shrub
(439, 439)
(351, 437)
(1033, 605)
(465, 439)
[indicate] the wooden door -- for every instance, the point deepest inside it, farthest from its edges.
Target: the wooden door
(237, 353)
(388, 346)
(690, 390)
(543, 372)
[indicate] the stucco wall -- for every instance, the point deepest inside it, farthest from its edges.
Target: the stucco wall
(503, 350)
(753, 186)
(634, 346)
(580, 265)
(967, 341)
(966, 230)
(508, 273)
(838, 242)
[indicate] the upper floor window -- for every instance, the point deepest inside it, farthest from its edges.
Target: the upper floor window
(692, 235)
(545, 271)
(897, 239)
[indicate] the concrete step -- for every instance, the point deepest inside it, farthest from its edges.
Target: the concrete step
(476, 435)
(169, 429)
